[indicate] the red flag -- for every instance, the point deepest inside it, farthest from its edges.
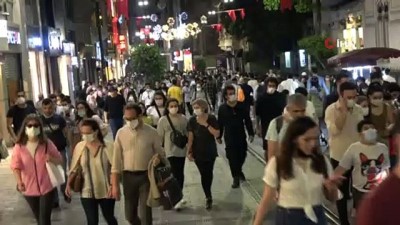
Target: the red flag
(123, 8)
(232, 15)
(115, 30)
(242, 13)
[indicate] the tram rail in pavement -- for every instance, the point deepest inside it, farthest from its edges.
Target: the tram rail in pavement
(331, 216)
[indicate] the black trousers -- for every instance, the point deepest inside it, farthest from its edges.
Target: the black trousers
(236, 155)
(42, 207)
(206, 169)
(136, 188)
(189, 107)
(264, 129)
(91, 208)
(178, 169)
(345, 189)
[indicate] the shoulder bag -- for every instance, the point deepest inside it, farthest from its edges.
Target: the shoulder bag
(177, 138)
(77, 179)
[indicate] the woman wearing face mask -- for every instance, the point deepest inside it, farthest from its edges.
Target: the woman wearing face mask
(301, 175)
(157, 108)
(202, 148)
(381, 114)
(93, 156)
(176, 155)
(83, 111)
(31, 152)
(199, 92)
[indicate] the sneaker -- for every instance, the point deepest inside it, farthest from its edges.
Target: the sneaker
(236, 183)
(209, 203)
(180, 205)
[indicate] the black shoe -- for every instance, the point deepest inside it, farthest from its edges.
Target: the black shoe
(236, 183)
(242, 177)
(209, 203)
(56, 205)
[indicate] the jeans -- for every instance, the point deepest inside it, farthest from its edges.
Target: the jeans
(206, 169)
(64, 155)
(91, 208)
(42, 206)
(236, 156)
(289, 216)
(178, 169)
(115, 125)
(136, 187)
(345, 189)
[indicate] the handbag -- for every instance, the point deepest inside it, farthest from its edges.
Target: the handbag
(171, 192)
(56, 172)
(77, 179)
(177, 138)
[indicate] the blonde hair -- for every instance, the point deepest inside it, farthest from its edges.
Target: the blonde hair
(202, 103)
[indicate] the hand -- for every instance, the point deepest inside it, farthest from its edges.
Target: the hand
(202, 121)
(68, 191)
(157, 161)
(21, 187)
(115, 194)
(343, 106)
(219, 141)
(251, 139)
(109, 193)
(332, 182)
(258, 132)
(190, 157)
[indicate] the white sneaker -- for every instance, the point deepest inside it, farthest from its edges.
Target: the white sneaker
(180, 205)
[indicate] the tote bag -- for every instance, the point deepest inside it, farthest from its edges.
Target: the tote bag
(56, 173)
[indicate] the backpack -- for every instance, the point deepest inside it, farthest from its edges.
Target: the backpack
(240, 96)
(279, 124)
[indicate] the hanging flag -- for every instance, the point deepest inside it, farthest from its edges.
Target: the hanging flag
(115, 30)
(123, 8)
(286, 5)
(232, 15)
(242, 13)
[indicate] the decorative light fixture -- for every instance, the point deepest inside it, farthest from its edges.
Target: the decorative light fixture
(212, 12)
(154, 17)
(184, 16)
(203, 19)
(143, 3)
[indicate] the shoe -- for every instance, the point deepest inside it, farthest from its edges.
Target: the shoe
(236, 183)
(242, 177)
(56, 205)
(67, 199)
(209, 203)
(180, 205)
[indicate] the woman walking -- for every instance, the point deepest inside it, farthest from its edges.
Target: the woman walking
(300, 174)
(92, 157)
(202, 148)
(173, 121)
(31, 152)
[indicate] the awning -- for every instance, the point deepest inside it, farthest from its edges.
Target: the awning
(362, 57)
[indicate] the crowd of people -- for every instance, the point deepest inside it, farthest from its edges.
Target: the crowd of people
(290, 114)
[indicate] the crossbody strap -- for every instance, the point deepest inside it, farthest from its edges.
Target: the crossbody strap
(158, 111)
(171, 124)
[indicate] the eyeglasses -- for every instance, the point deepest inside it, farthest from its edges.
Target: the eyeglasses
(32, 125)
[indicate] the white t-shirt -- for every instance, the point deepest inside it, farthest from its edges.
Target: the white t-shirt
(147, 97)
(304, 190)
(370, 164)
(272, 132)
(152, 112)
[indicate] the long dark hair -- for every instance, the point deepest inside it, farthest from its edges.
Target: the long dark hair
(289, 149)
(95, 127)
(89, 111)
(169, 101)
(22, 138)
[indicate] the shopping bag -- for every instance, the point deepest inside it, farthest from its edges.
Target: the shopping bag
(56, 174)
(171, 192)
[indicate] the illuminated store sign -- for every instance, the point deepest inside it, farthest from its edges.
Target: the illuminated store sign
(55, 41)
(34, 42)
(14, 37)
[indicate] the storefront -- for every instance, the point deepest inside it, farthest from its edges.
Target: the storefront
(53, 46)
(67, 74)
(37, 64)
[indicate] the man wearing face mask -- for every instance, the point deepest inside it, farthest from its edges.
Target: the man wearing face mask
(269, 105)
(359, 156)
(232, 118)
(114, 110)
(295, 108)
(135, 145)
(341, 119)
(16, 115)
(147, 96)
(54, 126)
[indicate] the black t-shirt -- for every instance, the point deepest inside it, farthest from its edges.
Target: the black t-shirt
(18, 115)
(114, 106)
(53, 128)
(204, 145)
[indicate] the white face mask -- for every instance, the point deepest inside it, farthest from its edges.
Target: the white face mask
(81, 113)
(173, 111)
(350, 103)
(198, 112)
(32, 132)
(377, 102)
(20, 101)
(232, 98)
(271, 90)
(365, 111)
(88, 137)
(370, 135)
(198, 88)
(159, 102)
(133, 123)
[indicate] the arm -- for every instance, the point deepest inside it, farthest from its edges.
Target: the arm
(10, 129)
(212, 127)
(334, 120)
(53, 154)
(272, 137)
(249, 124)
(117, 162)
(265, 205)
(220, 123)
(273, 147)
(190, 142)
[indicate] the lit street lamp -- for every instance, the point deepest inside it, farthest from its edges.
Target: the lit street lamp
(212, 12)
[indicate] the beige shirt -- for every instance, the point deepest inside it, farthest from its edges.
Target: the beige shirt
(133, 149)
(99, 168)
(340, 140)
